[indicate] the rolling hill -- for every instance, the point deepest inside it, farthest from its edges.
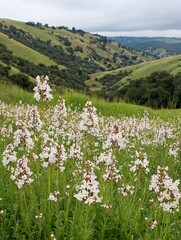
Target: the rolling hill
(137, 71)
(155, 83)
(81, 61)
(67, 56)
(24, 52)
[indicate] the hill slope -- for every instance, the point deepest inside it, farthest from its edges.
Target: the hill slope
(67, 56)
(170, 64)
(24, 52)
(156, 83)
(82, 61)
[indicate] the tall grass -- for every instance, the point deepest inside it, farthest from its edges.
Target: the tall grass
(12, 94)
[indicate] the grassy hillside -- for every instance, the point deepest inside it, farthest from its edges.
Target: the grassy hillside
(91, 45)
(25, 52)
(68, 57)
(79, 60)
(171, 64)
(84, 40)
(12, 94)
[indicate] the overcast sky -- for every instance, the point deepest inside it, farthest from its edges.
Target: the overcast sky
(106, 17)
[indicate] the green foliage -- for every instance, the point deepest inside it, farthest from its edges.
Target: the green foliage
(78, 49)
(109, 82)
(160, 89)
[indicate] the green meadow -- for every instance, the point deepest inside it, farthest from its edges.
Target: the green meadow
(71, 172)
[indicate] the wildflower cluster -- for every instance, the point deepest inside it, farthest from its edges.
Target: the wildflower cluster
(54, 196)
(22, 137)
(174, 150)
(112, 173)
(116, 137)
(75, 152)
(89, 122)
(52, 146)
(89, 188)
(9, 157)
(42, 91)
(167, 191)
(33, 119)
(126, 189)
(6, 131)
(164, 133)
(18, 167)
(58, 117)
(22, 173)
(140, 164)
(106, 158)
(53, 154)
(151, 223)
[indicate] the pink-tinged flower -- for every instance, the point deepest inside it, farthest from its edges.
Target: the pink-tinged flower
(140, 165)
(90, 122)
(88, 190)
(167, 191)
(53, 154)
(117, 137)
(126, 189)
(42, 91)
(54, 196)
(152, 224)
(22, 137)
(33, 119)
(9, 157)
(22, 173)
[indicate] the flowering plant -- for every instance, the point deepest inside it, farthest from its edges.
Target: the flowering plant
(42, 91)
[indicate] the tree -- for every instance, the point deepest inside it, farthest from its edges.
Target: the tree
(73, 30)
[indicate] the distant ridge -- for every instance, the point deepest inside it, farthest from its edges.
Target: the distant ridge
(156, 46)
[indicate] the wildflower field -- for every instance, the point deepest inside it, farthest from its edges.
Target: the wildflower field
(71, 173)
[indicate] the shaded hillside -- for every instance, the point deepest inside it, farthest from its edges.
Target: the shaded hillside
(160, 89)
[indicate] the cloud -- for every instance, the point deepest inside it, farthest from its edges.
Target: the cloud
(98, 15)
